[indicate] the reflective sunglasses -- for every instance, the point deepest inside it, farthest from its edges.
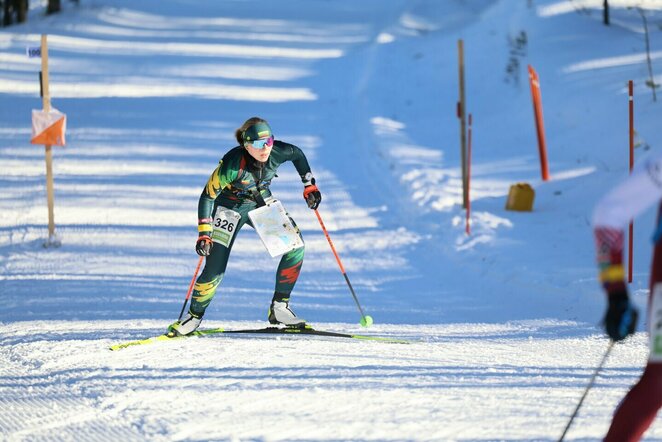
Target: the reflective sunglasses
(262, 143)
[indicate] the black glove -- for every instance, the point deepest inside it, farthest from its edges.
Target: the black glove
(621, 316)
(203, 245)
(312, 196)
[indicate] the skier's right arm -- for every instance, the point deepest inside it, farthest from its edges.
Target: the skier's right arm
(612, 214)
(311, 194)
(623, 203)
(220, 178)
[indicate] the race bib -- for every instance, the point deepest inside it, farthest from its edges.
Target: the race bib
(275, 228)
(225, 225)
(656, 324)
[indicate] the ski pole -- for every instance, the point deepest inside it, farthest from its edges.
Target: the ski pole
(366, 320)
(190, 288)
(588, 387)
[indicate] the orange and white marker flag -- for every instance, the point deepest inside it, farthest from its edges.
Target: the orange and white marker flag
(48, 127)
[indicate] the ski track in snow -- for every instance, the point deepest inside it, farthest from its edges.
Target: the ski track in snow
(523, 379)
(502, 346)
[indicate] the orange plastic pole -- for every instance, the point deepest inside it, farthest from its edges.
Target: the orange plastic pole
(190, 287)
(468, 224)
(540, 126)
(631, 236)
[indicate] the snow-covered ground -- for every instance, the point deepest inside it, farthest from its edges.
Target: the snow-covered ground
(504, 322)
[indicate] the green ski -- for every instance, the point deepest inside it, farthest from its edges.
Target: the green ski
(269, 330)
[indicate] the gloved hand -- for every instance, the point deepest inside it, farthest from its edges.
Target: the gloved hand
(312, 196)
(621, 316)
(203, 245)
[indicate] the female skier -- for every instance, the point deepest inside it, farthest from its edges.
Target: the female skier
(641, 190)
(238, 185)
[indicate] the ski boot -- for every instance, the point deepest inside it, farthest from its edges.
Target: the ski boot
(280, 313)
(185, 326)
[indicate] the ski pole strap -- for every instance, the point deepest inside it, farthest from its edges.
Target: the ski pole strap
(257, 196)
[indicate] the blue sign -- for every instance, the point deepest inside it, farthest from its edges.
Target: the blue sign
(33, 52)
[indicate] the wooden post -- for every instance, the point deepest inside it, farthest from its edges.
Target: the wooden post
(46, 100)
(648, 54)
(631, 231)
(540, 126)
(462, 116)
(468, 224)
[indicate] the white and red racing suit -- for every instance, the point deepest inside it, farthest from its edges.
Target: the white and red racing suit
(641, 190)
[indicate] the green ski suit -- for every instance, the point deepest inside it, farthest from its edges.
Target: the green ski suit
(233, 185)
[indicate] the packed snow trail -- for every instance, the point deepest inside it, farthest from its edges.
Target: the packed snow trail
(517, 381)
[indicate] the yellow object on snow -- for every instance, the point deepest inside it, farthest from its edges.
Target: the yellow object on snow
(520, 198)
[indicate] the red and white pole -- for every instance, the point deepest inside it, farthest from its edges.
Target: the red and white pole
(631, 236)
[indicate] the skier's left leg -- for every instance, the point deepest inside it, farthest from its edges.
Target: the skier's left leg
(639, 408)
(286, 277)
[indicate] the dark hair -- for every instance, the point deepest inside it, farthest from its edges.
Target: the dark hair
(239, 133)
